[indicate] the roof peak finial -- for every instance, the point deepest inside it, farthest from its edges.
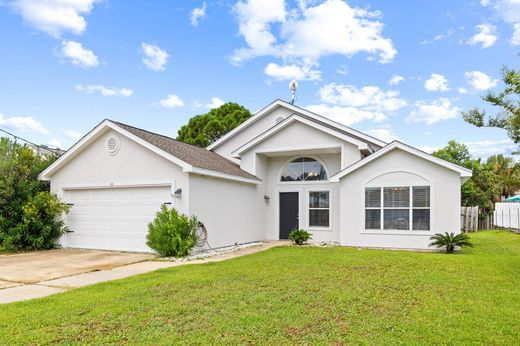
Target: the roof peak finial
(293, 86)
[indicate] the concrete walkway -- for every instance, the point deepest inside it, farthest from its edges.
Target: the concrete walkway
(12, 291)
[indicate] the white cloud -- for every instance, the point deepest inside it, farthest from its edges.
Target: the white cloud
(346, 115)
(308, 33)
(343, 70)
(480, 81)
(154, 58)
(55, 143)
(434, 111)
(73, 134)
(215, 103)
(396, 79)
(436, 82)
(485, 37)
(384, 134)
(197, 14)
(367, 97)
(255, 18)
(483, 149)
(288, 72)
(515, 38)
(90, 89)
(428, 149)
(509, 12)
(488, 148)
(23, 124)
(78, 55)
(55, 17)
(349, 105)
(171, 101)
(462, 90)
(439, 37)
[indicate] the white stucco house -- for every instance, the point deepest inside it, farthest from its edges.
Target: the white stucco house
(283, 168)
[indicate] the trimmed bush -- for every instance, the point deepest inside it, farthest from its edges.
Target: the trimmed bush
(299, 236)
(172, 234)
(449, 241)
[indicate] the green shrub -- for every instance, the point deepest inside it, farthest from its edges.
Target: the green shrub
(299, 236)
(19, 194)
(172, 233)
(40, 226)
(450, 241)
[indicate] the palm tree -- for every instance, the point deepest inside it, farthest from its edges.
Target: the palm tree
(450, 240)
(507, 172)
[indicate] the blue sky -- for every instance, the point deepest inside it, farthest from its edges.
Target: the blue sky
(396, 69)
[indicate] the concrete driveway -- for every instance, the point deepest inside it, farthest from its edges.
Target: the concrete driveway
(23, 276)
(47, 265)
(39, 274)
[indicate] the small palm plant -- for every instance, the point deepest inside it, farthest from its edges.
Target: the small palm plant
(299, 236)
(450, 241)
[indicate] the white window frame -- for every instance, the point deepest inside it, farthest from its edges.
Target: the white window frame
(410, 210)
(303, 182)
(323, 228)
(380, 208)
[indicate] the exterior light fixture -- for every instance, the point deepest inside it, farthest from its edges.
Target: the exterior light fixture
(178, 193)
(267, 199)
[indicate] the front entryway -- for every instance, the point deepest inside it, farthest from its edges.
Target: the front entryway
(289, 212)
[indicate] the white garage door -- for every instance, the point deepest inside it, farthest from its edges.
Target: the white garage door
(112, 219)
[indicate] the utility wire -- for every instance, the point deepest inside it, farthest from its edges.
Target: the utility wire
(40, 147)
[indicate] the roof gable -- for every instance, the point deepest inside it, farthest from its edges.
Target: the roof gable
(302, 112)
(464, 172)
(294, 118)
(191, 158)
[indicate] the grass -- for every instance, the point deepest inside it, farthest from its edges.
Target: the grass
(294, 295)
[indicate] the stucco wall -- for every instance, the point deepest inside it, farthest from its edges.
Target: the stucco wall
(273, 187)
(233, 212)
(132, 165)
(399, 168)
(299, 137)
(251, 131)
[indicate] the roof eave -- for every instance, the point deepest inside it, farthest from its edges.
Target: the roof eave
(186, 167)
(296, 109)
(216, 174)
(47, 173)
(286, 122)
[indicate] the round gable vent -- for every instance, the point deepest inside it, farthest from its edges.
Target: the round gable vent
(113, 144)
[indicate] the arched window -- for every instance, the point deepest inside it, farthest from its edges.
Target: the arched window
(304, 169)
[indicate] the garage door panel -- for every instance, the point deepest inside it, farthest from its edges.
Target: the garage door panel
(113, 219)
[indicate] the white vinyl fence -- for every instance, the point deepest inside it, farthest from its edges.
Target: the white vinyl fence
(507, 215)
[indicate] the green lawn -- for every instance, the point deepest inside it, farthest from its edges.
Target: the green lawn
(294, 295)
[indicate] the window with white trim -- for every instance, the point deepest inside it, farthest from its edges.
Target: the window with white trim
(303, 169)
(392, 208)
(319, 209)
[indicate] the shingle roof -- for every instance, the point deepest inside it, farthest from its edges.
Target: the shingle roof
(191, 154)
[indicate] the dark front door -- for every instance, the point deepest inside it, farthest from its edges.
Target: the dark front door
(288, 213)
